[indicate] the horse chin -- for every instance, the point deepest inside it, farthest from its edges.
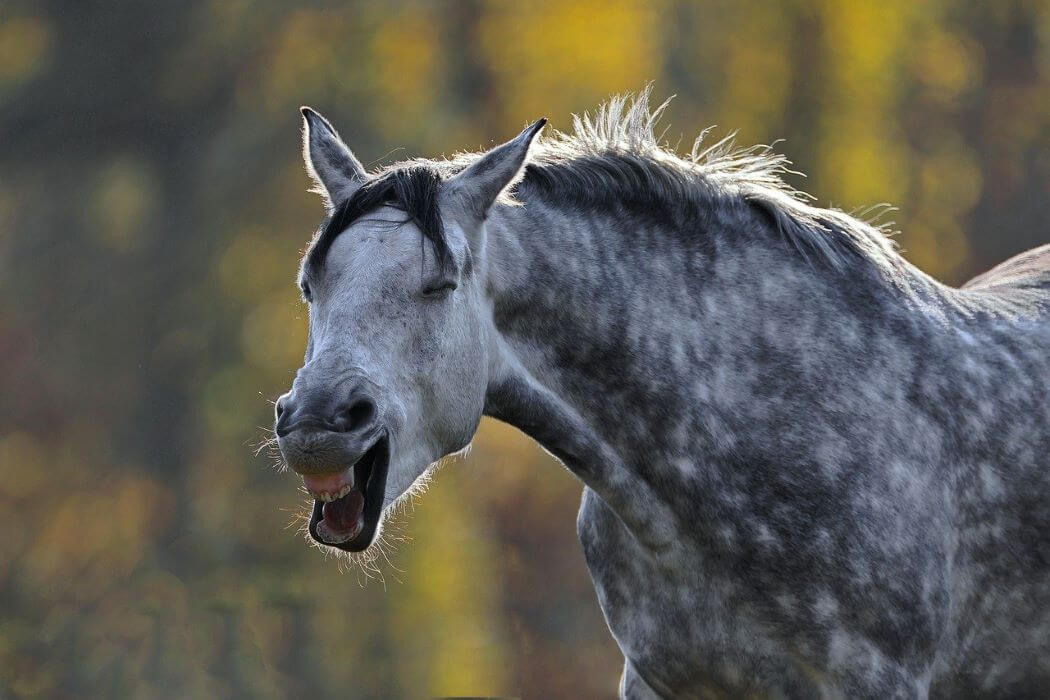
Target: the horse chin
(371, 470)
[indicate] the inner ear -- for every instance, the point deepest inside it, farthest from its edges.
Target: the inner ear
(336, 172)
(477, 187)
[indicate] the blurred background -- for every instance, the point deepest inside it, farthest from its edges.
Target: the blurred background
(153, 206)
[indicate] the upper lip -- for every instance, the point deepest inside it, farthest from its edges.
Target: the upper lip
(306, 422)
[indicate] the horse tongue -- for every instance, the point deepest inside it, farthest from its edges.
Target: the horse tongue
(344, 517)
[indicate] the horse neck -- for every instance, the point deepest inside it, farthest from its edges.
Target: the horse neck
(588, 311)
(620, 318)
(629, 350)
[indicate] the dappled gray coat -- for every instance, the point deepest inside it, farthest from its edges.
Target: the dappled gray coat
(811, 470)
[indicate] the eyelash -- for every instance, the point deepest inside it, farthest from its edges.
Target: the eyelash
(436, 291)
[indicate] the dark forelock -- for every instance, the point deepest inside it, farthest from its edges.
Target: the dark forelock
(410, 188)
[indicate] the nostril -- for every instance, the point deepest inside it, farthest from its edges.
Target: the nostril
(357, 414)
(283, 413)
(361, 412)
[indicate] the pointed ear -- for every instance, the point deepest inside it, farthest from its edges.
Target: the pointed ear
(479, 185)
(334, 169)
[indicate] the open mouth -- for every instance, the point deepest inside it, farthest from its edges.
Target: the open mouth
(349, 504)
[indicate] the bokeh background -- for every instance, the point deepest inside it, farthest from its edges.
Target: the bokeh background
(153, 207)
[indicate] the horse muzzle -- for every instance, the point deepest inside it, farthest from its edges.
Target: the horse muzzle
(343, 455)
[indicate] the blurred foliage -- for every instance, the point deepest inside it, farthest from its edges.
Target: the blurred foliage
(152, 210)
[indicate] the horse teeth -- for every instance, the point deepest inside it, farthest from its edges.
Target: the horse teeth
(326, 497)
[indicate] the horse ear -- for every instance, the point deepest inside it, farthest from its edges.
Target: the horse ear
(480, 184)
(334, 169)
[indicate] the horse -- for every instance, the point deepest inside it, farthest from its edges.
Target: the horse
(809, 469)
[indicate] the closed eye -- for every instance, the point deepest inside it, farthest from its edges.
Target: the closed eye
(438, 290)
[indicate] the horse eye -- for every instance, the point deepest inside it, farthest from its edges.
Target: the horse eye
(306, 290)
(439, 289)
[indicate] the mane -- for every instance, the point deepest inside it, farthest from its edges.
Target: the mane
(615, 158)
(616, 155)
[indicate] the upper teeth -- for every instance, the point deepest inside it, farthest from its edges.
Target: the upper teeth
(326, 497)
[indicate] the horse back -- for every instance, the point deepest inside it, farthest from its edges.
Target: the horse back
(1030, 269)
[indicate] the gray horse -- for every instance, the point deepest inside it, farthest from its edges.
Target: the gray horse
(810, 469)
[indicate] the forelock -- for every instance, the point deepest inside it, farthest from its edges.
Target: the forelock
(413, 188)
